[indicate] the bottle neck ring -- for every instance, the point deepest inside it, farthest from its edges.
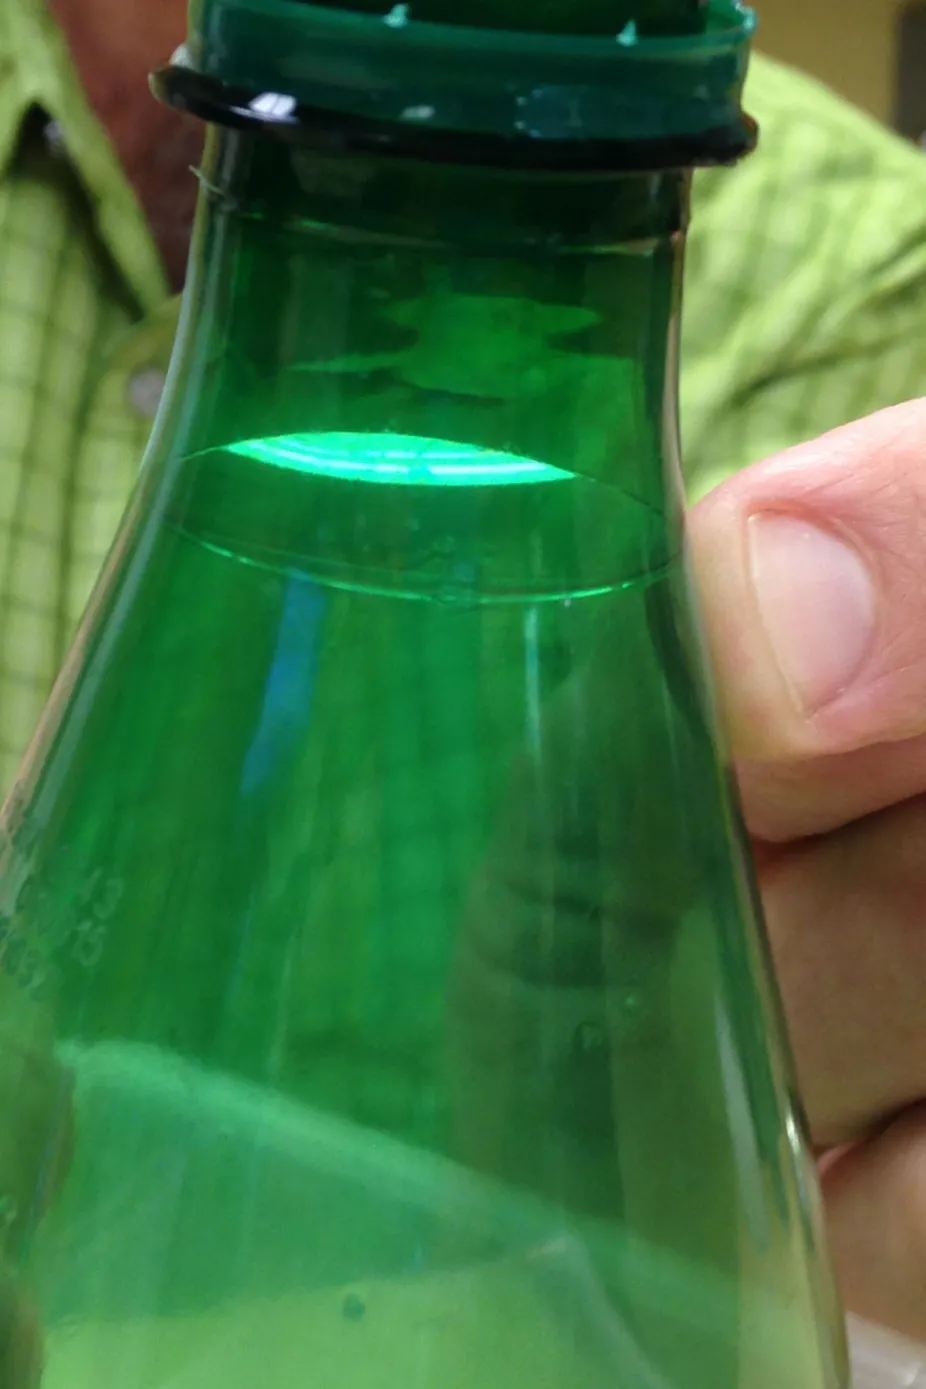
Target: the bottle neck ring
(465, 95)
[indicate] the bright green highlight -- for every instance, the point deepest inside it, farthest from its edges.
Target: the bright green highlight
(396, 458)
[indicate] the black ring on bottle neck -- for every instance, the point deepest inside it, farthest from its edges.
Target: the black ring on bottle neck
(210, 100)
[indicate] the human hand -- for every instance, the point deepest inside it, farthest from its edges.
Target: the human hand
(813, 575)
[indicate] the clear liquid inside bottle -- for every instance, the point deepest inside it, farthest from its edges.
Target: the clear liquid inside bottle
(396, 1095)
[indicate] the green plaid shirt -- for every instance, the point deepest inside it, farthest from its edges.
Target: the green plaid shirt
(806, 306)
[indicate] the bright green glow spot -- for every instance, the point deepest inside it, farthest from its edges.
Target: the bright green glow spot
(397, 459)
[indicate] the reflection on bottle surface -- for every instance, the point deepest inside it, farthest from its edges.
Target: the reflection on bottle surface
(382, 885)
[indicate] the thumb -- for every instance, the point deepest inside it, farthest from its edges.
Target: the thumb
(876, 1215)
(812, 568)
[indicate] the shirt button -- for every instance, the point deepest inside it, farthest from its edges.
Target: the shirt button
(54, 139)
(145, 390)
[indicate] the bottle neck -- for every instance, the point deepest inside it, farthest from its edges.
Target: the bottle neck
(533, 316)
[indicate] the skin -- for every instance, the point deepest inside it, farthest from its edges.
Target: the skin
(835, 797)
(834, 790)
(116, 44)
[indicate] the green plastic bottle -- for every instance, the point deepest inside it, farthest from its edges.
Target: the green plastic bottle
(375, 880)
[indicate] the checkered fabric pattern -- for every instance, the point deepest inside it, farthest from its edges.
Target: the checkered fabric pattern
(806, 282)
(805, 305)
(82, 307)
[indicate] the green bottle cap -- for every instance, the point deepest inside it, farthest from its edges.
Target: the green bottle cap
(605, 17)
(669, 99)
(278, 56)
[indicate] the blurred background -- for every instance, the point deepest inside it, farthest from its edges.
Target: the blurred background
(871, 51)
